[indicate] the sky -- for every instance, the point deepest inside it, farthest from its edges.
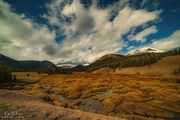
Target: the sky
(81, 31)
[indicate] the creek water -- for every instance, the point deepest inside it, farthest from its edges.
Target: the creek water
(90, 103)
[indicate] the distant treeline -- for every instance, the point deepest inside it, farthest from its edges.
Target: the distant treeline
(5, 73)
(8, 65)
(57, 70)
(30, 66)
(131, 61)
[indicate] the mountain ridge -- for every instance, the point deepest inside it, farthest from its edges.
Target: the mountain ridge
(26, 64)
(132, 60)
(109, 60)
(145, 50)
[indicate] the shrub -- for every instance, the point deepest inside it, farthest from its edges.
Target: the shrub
(176, 71)
(28, 75)
(5, 75)
(138, 73)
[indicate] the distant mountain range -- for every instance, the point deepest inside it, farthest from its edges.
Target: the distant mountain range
(140, 57)
(26, 65)
(145, 50)
(110, 56)
(79, 68)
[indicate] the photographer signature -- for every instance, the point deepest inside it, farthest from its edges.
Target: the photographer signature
(12, 115)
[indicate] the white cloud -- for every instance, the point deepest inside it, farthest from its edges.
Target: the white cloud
(97, 35)
(141, 36)
(22, 38)
(173, 41)
(129, 18)
(89, 35)
(165, 44)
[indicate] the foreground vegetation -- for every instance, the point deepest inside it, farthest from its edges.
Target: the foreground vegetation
(5, 74)
(152, 92)
(115, 95)
(20, 106)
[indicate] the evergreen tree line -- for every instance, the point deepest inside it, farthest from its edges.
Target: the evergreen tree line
(5, 73)
(131, 61)
(118, 62)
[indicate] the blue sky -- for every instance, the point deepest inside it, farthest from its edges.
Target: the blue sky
(80, 31)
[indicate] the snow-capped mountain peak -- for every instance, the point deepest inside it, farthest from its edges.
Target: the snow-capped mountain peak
(144, 50)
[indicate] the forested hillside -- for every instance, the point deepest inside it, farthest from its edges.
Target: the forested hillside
(130, 60)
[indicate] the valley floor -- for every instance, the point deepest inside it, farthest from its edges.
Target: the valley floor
(123, 96)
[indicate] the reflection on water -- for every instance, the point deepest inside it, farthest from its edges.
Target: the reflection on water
(90, 103)
(62, 98)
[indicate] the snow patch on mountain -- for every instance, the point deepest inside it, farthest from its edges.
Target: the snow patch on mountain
(144, 50)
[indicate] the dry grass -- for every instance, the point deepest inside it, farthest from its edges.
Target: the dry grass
(167, 66)
(19, 106)
(151, 91)
(147, 96)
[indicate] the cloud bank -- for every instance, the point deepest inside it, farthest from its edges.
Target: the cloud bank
(141, 36)
(173, 41)
(90, 32)
(20, 37)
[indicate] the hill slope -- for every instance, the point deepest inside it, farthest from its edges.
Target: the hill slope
(26, 65)
(134, 60)
(78, 68)
(125, 61)
(9, 61)
(166, 66)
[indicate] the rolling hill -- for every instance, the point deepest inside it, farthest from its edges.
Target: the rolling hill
(135, 60)
(125, 61)
(26, 65)
(79, 68)
(167, 66)
(150, 56)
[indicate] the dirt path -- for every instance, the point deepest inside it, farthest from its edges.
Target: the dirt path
(15, 105)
